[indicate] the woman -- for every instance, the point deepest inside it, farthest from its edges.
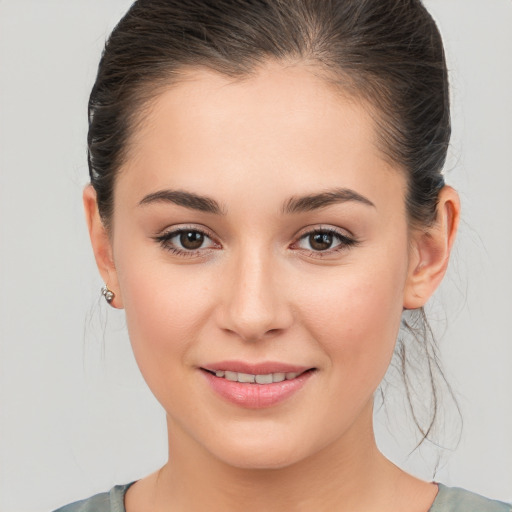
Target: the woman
(266, 201)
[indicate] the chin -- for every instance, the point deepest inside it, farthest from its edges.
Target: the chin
(259, 453)
(260, 460)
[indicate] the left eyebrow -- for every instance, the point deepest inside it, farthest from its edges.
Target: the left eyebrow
(323, 199)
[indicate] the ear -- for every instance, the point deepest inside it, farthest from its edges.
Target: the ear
(430, 251)
(101, 245)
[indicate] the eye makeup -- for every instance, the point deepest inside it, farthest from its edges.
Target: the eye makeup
(192, 241)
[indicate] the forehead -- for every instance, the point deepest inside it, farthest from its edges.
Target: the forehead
(274, 98)
(283, 125)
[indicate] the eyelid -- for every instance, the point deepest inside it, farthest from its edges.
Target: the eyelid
(169, 233)
(178, 228)
(323, 228)
(347, 240)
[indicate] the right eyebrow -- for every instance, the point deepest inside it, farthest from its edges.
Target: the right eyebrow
(186, 199)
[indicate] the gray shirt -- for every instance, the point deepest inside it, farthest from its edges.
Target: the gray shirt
(448, 499)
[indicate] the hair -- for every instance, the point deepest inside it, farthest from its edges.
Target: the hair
(387, 52)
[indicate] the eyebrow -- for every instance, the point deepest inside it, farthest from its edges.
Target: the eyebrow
(293, 205)
(323, 199)
(185, 199)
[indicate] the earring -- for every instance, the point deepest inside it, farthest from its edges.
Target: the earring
(108, 294)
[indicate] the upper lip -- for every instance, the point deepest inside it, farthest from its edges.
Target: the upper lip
(263, 368)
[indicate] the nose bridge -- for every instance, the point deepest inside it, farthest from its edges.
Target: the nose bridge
(255, 303)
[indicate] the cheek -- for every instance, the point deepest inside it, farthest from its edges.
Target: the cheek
(355, 316)
(166, 307)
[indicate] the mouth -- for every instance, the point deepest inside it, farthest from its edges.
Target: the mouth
(251, 378)
(256, 386)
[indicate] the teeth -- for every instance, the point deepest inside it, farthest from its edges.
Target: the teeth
(264, 379)
(245, 378)
(233, 376)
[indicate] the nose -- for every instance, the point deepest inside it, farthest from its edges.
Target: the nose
(254, 305)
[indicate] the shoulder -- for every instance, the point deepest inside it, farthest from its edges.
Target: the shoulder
(453, 499)
(112, 501)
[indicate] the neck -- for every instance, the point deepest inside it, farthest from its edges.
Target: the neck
(349, 474)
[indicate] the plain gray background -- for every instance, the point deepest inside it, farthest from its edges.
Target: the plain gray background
(75, 415)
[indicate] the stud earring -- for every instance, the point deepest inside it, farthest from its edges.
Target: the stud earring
(108, 294)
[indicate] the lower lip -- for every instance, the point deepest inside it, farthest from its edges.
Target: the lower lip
(256, 396)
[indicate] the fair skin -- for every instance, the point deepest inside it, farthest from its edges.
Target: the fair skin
(258, 287)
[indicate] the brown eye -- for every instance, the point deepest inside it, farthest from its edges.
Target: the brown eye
(186, 242)
(321, 241)
(324, 242)
(191, 240)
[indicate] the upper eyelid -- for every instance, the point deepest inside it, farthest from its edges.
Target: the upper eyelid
(173, 230)
(164, 240)
(165, 237)
(324, 228)
(344, 239)
(170, 232)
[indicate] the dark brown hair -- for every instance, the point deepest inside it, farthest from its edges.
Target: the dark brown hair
(388, 52)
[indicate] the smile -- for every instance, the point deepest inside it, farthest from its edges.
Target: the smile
(259, 388)
(249, 378)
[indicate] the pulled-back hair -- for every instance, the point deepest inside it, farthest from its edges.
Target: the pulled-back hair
(387, 52)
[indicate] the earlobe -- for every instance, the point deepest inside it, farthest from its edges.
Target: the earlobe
(101, 244)
(431, 250)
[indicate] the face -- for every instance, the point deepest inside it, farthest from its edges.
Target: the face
(259, 231)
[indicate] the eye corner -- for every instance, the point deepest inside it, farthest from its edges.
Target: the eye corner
(327, 235)
(178, 246)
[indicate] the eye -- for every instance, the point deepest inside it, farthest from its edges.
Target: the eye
(190, 240)
(325, 241)
(186, 241)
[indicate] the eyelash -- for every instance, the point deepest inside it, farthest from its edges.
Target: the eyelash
(345, 242)
(165, 241)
